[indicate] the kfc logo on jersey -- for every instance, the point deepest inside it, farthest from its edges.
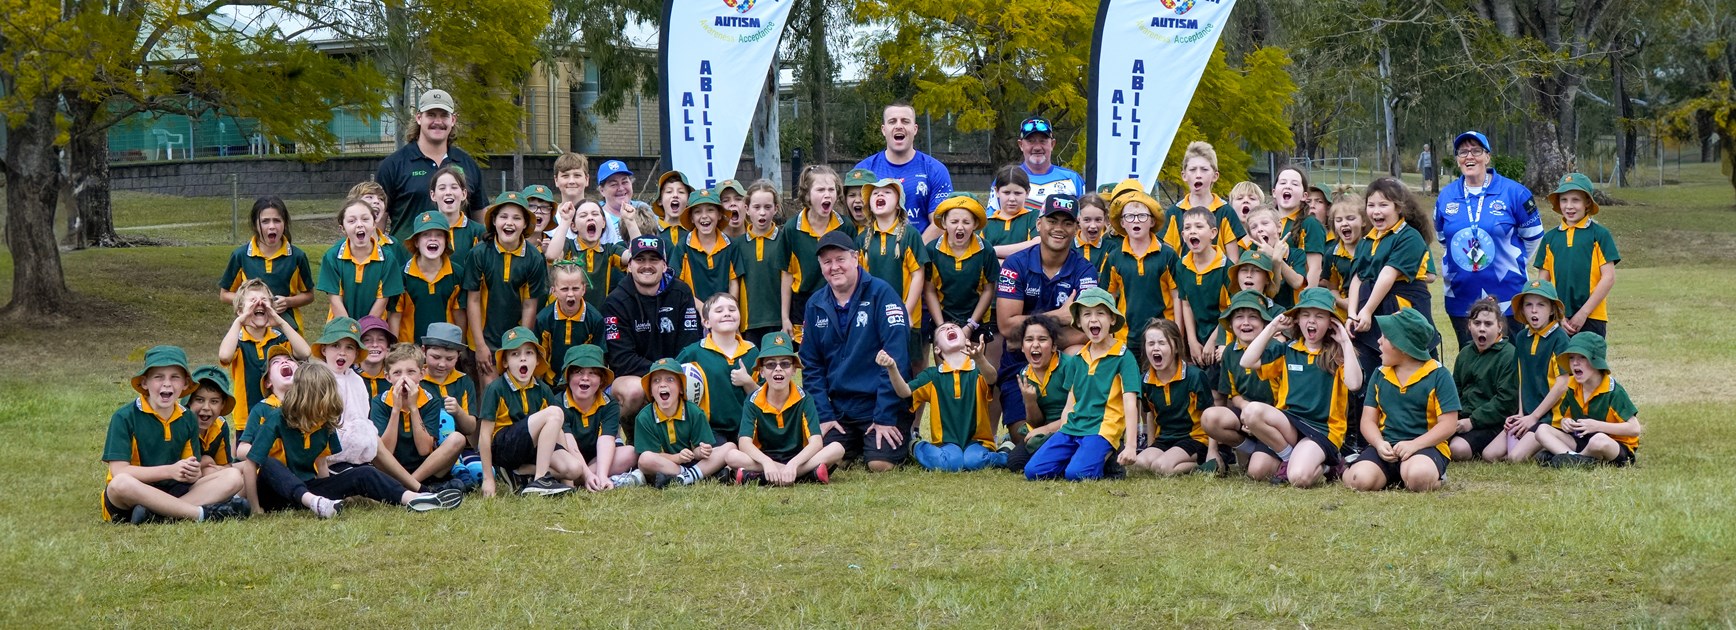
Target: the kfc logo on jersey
(1009, 280)
(611, 328)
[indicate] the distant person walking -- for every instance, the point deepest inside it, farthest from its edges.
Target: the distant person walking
(1426, 166)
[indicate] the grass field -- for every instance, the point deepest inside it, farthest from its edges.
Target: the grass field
(1499, 546)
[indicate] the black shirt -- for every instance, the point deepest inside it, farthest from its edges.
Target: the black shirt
(405, 176)
(640, 329)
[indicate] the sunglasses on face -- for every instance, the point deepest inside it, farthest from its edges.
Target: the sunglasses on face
(777, 365)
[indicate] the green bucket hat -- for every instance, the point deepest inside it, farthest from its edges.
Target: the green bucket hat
(1105, 188)
(161, 356)
(218, 380)
(776, 345)
(1571, 182)
(1245, 300)
(1590, 345)
(538, 191)
(1256, 258)
(859, 177)
(1098, 297)
(1318, 298)
(1540, 288)
(730, 184)
(886, 182)
(1323, 192)
(702, 197)
(428, 222)
(508, 198)
(515, 338)
(586, 356)
(1408, 331)
(665, 365)
(336, 329)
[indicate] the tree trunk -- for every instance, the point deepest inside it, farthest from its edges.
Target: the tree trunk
(817, 77)
(767, 146)
(32, 185)
(1625, 138)
(88, 177)
(1387, 101)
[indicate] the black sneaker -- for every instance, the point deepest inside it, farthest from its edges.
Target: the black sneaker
(507, 481)
(451, 483)
(661, 481)
(235, 508)
(142, 515)
(545, 486)
(1572, 460)
(1544, 459)
(428, 502)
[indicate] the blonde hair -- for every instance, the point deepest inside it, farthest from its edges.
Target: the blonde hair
(368, 188)
(766, 186)
(810, 175)
(1262, 210)
(251, 285)
(572, 162)
(312, 402)
(642, 219)
(1249, 188)
(1200, 149)
(403, 351)
(1350, 202)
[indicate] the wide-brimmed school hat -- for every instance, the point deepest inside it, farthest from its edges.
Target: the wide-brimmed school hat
(428, 222)
(538, 191)
(1245, 300)
(216, 378)
(1316, 298)
(1590, 345)
(962, 201)
(1060, 203)
(161, 356)
(1098, 297)
(1324, 193)
(586, 356)
(669, 176)
(1408, 331)
(776, 345)
(1104, 189)
(703, 197)
(1475, 136)
(665, 365)
(371, 323)
(1119, 205)
(1258, 260)
(444, 335)
(513, 339)
(730, 184)
(1540, 288)
(884, 182)
(1125, 186)
(838, 238)
(508, 198)
(336, 329)
(1572, 182)
(859, 177)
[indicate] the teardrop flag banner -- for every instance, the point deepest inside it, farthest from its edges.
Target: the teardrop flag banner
(714, 55)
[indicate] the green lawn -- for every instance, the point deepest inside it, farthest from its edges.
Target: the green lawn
(1501, 545)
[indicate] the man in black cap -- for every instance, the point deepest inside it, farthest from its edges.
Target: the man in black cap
(844, 328)
(404, 174)
(650, 318)
(1041, 280)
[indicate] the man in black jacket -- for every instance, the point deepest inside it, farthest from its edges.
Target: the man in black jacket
(650, 318)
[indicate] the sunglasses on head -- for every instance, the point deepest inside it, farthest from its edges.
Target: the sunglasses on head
(1033, 126)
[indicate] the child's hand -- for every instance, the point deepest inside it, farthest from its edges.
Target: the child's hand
(1283, 321)
(1342, 334)
(565, 213)
(485, 364)
(1464, 425)
(1385, 451)
(685, 456)
(488, 486)
(1127, 456)
(1576, 426)
(740, 376)
(1026, 386)
(885, 360)
(703, 451)
(598, 483)
(780, 474)
(280, 303)
(1404, 450)
(451, 405)
(1362, 322)
(187, 470)
(1573, 324)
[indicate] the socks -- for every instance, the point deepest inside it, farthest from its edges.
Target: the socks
(1284, 455)
(201, 517)
(689, 475)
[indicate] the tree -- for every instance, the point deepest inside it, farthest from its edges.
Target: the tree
(808, 40)
(594, 34)
(1236, 109)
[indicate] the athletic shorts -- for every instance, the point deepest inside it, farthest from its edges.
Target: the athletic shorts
(114, 514)
(1308, 432)
(1625, 457)
(1480, 439)
(1192, 446)
(513, 446)
(1391, 469)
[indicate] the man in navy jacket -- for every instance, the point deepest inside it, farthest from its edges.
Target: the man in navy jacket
(843, 329)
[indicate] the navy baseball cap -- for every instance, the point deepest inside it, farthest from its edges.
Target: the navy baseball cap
(611, 168)
(1035, 125)
(1061, 203)
(1473, 135)
(838, 239)
(644, 244)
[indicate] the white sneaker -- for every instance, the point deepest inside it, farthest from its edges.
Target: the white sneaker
(326, 508)
(628, 479)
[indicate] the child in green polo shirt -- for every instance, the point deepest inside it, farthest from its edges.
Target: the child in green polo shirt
(442, 346)
(449, 189)
(1542, 383)
(271, 257)
(760, 258)
(779, 436)
(672, 435)
(593, 420)
(703, 258)
(855, 204)
(1045, 383)
(673, 190)
(362, 274)
(1486, 373)
(1410, 411)
(152, 457)
(1095, 239)
(210, 400)
(1579, 257)
(1013, 226)
(1254, 272)
(541, 203)
(579, 240)
(1393, 263)
(506, 282)
(1265, 237)
(305, 434)
(1174, 394)
(520, 422)
(1141, 275)
(280, 371)
(1299, 230)
(1349, 223)
(407, 421)
(734, 200)
(1202, 282)
(960, 433)
(569, 321)
(1311, 378)
(817, 191)
(1105, 391)
(1237, 386)
(723, 358)
(1596, 422)
(962, 269)
(257, 329)
(433, 290)
(893, 251)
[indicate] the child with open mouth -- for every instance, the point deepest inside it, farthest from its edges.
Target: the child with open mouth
(377, 338)
(1311, 378)
(1350, 222)
(1104, 398)
(1393, 264)
(521, 433)
(1013, 227)
(507, 283)
(273, 259)
(569, 321)
(817, 191)
(1245, 197)
(672, 193)
(1045, 383)
(893, 251)
(432, 283)
(1485, 374)
(579, 240)
(451, 194)
(1579, 257)
(1237, 386)
(674, 439)
(1174, 394)
(593, 419)
(960, 433)
(854, 202)
(1299, 230)
(1539, 341)
(374, 195)
(1200, 173)
(782, 442)
(211, 402)
(363, 274)
(705, 258)
(962, 273)
(1202, 281)
(1142, 273)
(1266, 238)
(1095, 239)
(734, 199)
(723, 358)
(762, 263)
(1597, 423)
(154, 471)
(256, 329)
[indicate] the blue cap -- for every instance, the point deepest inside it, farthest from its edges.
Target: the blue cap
(611, 168)
(1473, 135)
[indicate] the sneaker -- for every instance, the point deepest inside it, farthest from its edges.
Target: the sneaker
(1543, 458)
(326, 508)
(545, 486)
(506, 480)
(661, 481)
(1351, 458)
(1006, 446)
(142, 515)
(1210, 467)
(430, 501)
(450, 497)
(235, 508)
(628, 479)
(821, 475)
(690, 475)
(1572, 460)
(744, 476)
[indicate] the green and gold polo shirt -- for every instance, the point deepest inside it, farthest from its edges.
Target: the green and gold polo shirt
(1098, 383)
(560, 331)
(587, 423)
(779, 431)
(286, 271)
(1608, 402)
(1141, 282)
(602, 265)
(960, 278)
(428, 407)
(138, 435)
(1010, 229)
(1306, 390)
(1410, 408)
(1235, 380)
(958, 404)
(802, 245)
(465, 235)
(505, 279)
(893, 256)
(706, 270)
(1537, 368)
(1176, 401)
(429, 298)
(456, 385)
(247, 369)
(214, 443)
(1053, 382)
(721, 400)
(357, 283)
(1229, 226)
(1097, 252)
(657, 433)
(1305, 235)
(761, 262)
(298, 451)
(505, 401)
(1206, 289)
(1572, 258)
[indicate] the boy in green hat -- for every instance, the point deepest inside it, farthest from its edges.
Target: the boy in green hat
(433, 284)
(733, 196)
(853, 199)
(1540, 339)
(1579, 257)
(520, 422)
(151, 452)
(1105, 393)
(1312, 378)
(1247, 314)
(593, 419)
(507, 282)
(780, 428)
(1253, 272)
(672, 436)
(211, 401)
(1410, 410)
(1596, 422)
(704, 258)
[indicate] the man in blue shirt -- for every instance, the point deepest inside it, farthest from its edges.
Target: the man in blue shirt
(1041, 280)
(926, 181)
(844, 328)
(1490, 228)
(1037, 143)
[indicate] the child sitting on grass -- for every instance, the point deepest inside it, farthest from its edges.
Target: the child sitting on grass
(1579, 257)
(1410, 410)
(1044, 383)
(280, 370)
(673, 438)
(1105, 390)
(1237, 386)
(1596, 422)
(1311, 378)
(961, 433)
(153, 468)
(1174, 393)
(256, 330)
(521, 422)
(1488, 381)
(211, 402)
(406, 420)
(593, 419)
(780, 440)
(1541, 382)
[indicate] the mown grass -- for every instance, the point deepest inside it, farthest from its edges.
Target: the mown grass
(1501, 545)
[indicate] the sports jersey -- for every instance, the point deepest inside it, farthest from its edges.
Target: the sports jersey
(285, 271)
(1057, 180)
(1572, 258)
(1486, 233)
(925, 181)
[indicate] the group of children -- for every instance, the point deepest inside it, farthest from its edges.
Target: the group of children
(474, 354)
